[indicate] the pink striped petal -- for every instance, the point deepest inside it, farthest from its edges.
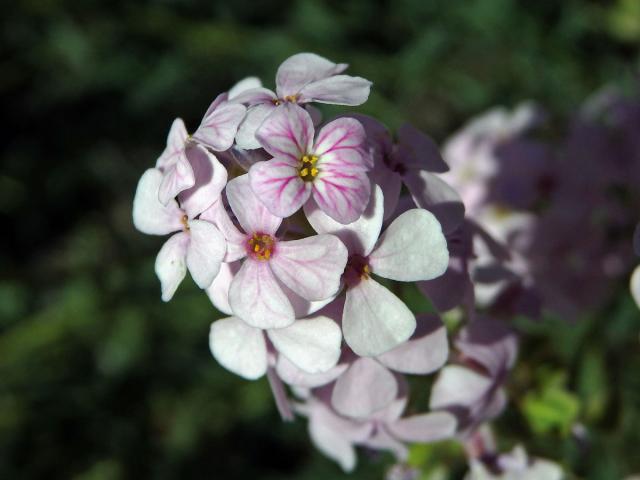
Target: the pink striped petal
(342, 195)
(279, 187)
(312, 266)
(255, 297)
(219, 127)
(287, 132)
(337, 90)
(210, 177)
(175, 144)
(301, 69)
(252, 215)
(256, 115)
(217, 214)
(178, 176)
(340, 144)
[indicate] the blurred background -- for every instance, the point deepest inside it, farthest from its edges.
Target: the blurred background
(100, 380)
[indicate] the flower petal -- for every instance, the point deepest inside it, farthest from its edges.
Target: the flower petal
(425, 352)
(149, 215)
(340, 144)
(217, 214)
(458, 386)
(256, 115)
(301, 69)
(412, 248)
(342, 195)
(292, 375)
(337, 90)
(313, 345)
(175, 144)
(218, 128)
(359, 236)
(210, 178)
(178, 176)
(171, 264)
(374, 319)
(431, 192)
(257, 299)
(243, 86)
(252, 215)
(383, 440)
(311, 266)
(366, 387)
(428, 427)
(279, 187)
(205, 252)
(391, 184)
(238, 347)
(287, 132)
(635, 285)
(418, 150)
(218, 291)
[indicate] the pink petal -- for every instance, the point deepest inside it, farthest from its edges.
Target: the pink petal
(428, 427)
(417, 150)
(363, 389)
(287, 132)
(412, 248)
(374, 319)
(257, 299)
(252, 215)
(337, 90)
(342, 195)
(205, 252)
(238, 347)
(359, 236)
(236, 247)
(175, 144)
(210, 178)
(292, 375)
(340, 145)
(219, 127)
(178, 176)
(218, 291)
(171, 265)
(256, 115)
(425, 352)
(312, 266)
(312, 344)
(279, 187)
(283, 404)
(149, 215)
(301, 69)
(383, 440)
(431, 192)
(391, 184)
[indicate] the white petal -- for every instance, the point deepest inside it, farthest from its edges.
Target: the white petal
(359, 236)
(238, 347)
(635, 285)
(149, 215)
(245, 84)
(458, 386)
(175, 144)
(312, 266)
(210, 177)
(205, 252)
(248, 209)
(246, 136)
(374, 319)
(428, 427)
(171, 264)
(313, 345)
(425, 352)
(257, 299)
(292, 375)
(412, 248)
(218, 128)
(177, 176)
(236, 247)
(301, 69)
(218, 291)
(366, 387)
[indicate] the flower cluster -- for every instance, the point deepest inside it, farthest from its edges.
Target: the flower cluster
(296, 230)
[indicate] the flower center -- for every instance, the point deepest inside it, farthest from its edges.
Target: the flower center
(357, 269)
(260, 246)
(185, 223)
(308, 170)
(291, 98)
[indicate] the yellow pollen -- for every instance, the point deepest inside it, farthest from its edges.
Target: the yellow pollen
(308, 170)
(291, 98)
(261, 246)
(365, 272)
(185, 223)
(276, 101)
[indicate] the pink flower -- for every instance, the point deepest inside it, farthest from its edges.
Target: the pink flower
(302, 78)
(310, 267)
(332, 169)
(199, 246)
(412, 248)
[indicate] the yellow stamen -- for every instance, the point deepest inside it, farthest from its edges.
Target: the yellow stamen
(261, 245)
(291, 98)
(185, 223)
(308, 170)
